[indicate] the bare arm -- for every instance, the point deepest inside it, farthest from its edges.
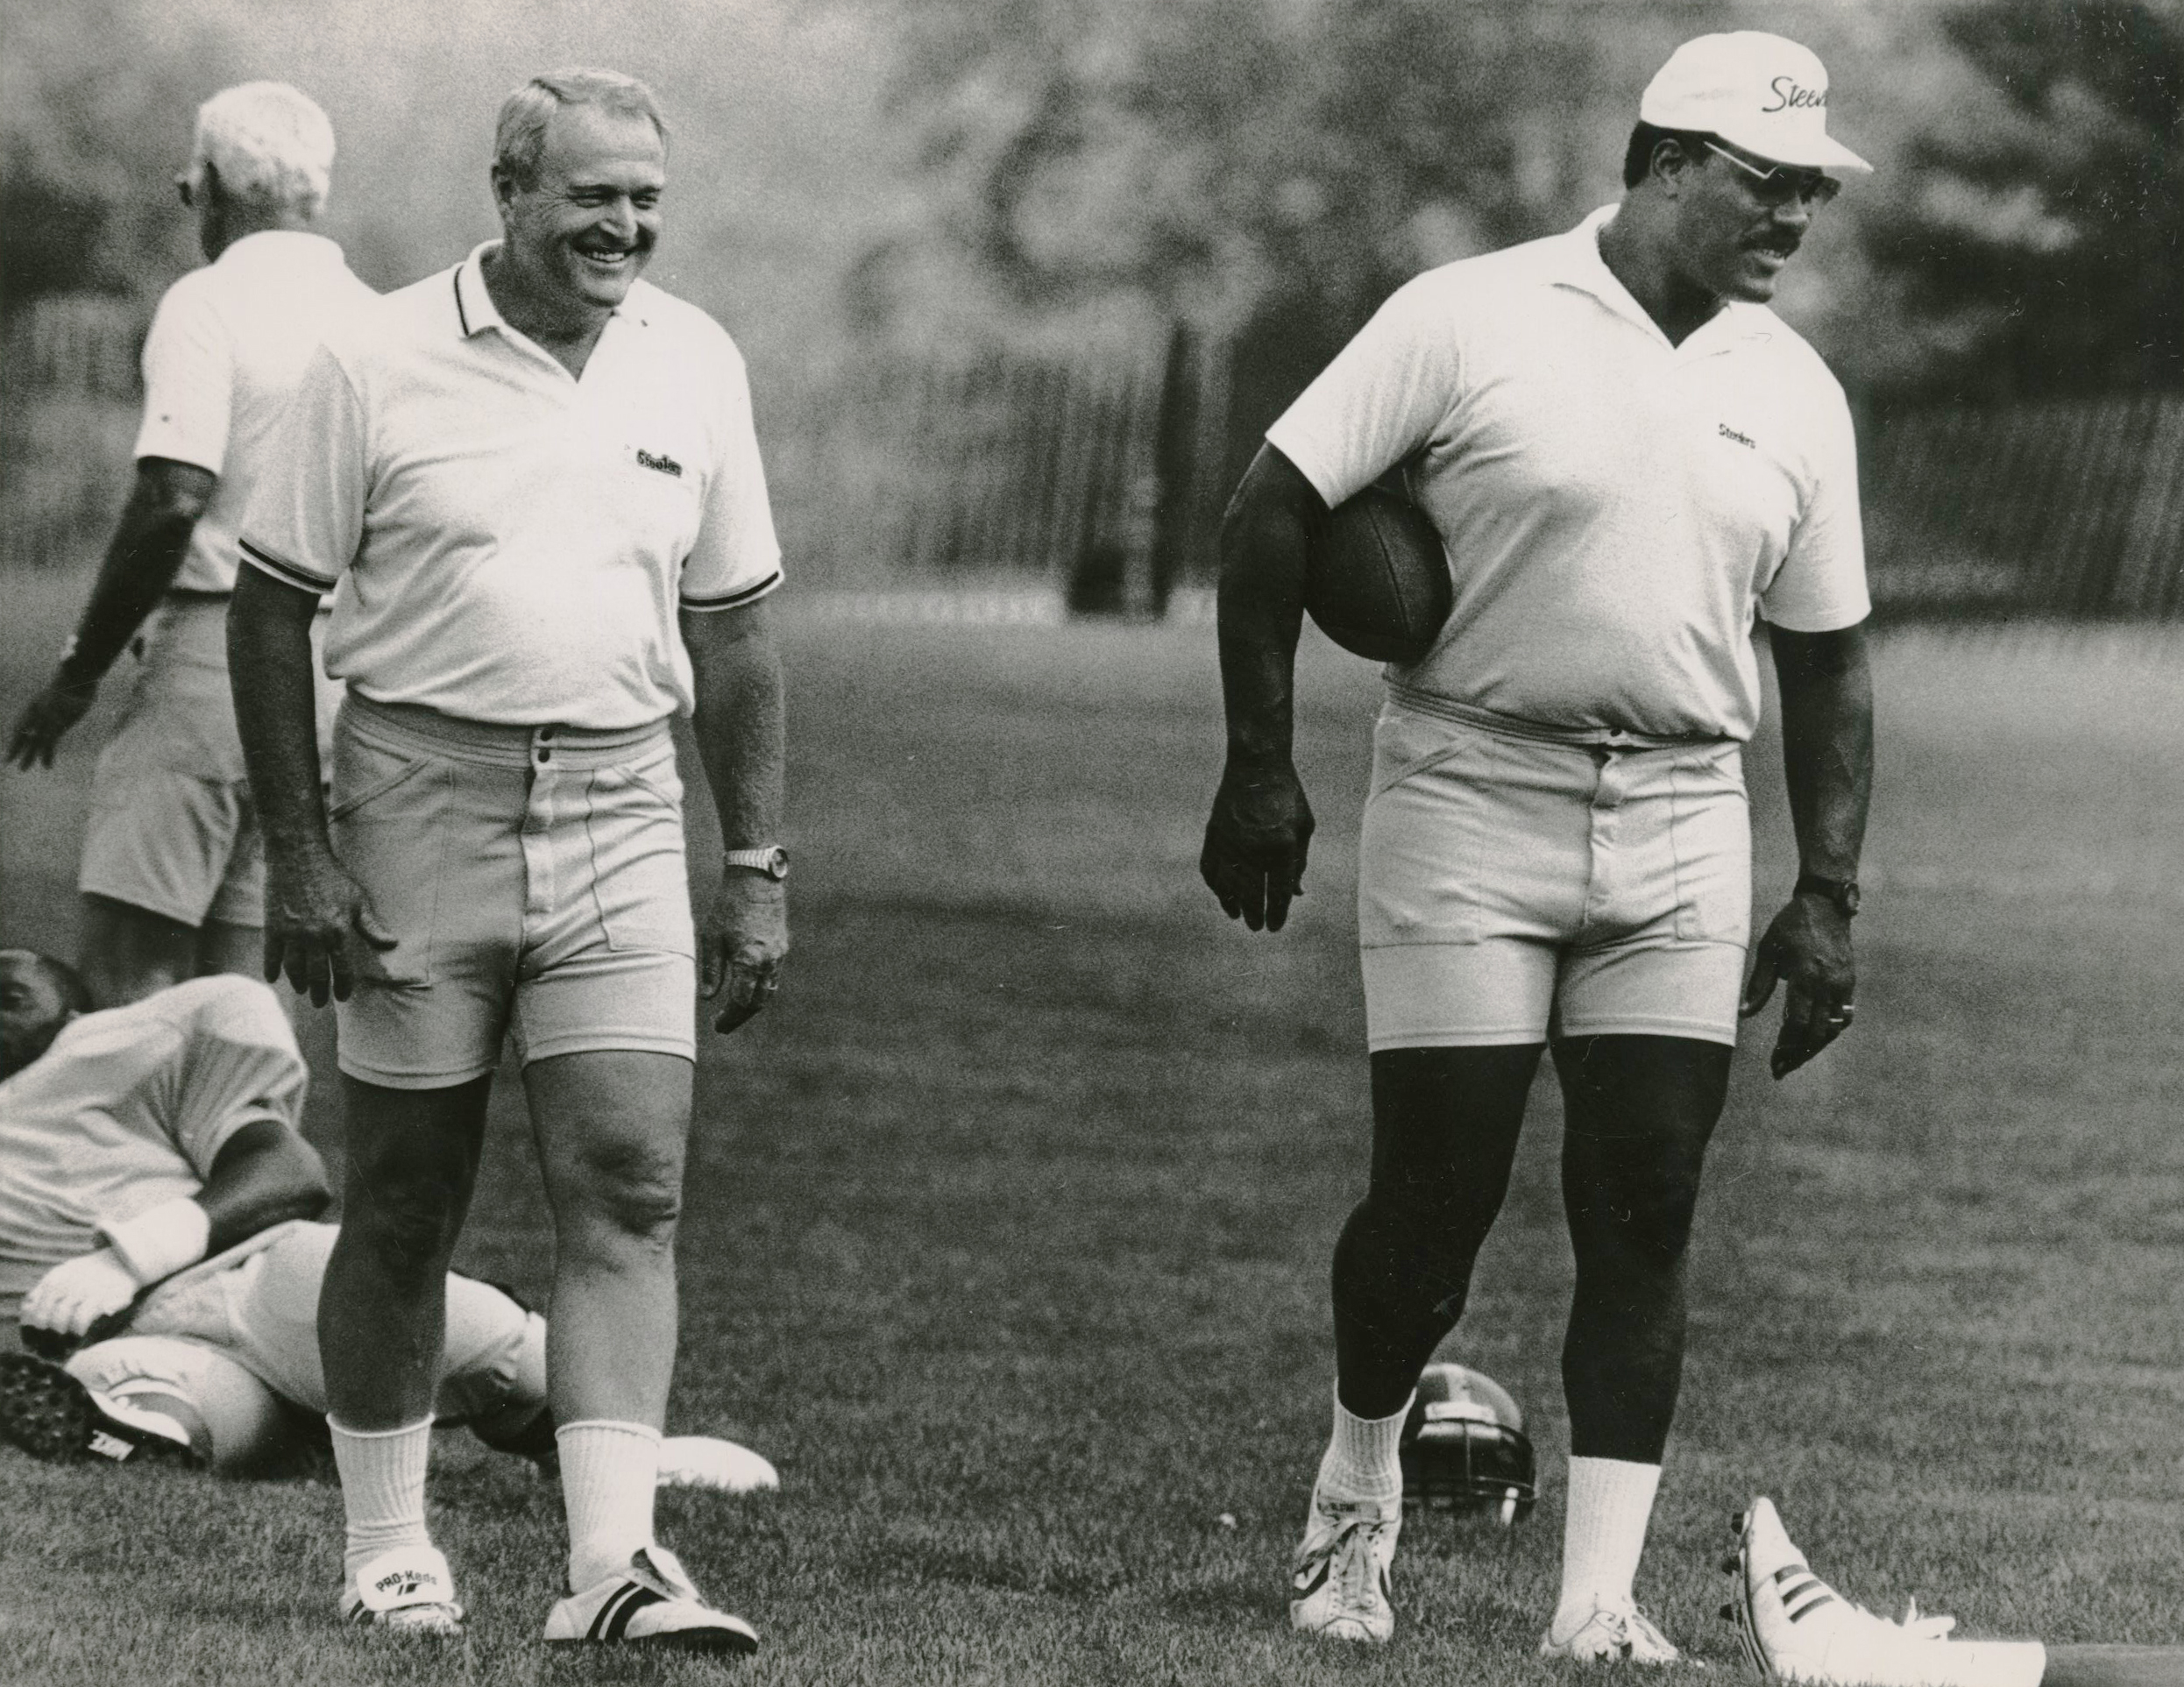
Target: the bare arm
(314, 912)
(265, 1175)
(1260, 829)
(739, 726)
(141, 562)
(1826, 685)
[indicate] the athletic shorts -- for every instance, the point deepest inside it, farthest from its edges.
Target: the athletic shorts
(1513, 888)
(171, 828)
(237, 1338)
(535, 879)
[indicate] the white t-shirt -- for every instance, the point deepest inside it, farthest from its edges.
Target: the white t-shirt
(507, 543)
(228, 344)
(1614, 508)
(130, 1108)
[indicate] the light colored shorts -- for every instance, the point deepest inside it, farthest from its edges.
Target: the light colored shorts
(535, 879)
(1513, 888)
(171, 828)
(237, 1338)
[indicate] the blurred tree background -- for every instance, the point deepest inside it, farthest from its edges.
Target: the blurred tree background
(1022, 281)
(861, 172)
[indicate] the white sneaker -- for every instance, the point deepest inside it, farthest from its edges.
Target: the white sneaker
(707, 1461)
(1338, 1580)
(1797, 1628)
(50, 1414)
(1612, 1634)
(652, 1603)
(404, 1590)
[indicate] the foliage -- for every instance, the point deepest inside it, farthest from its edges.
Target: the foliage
(2042, 249)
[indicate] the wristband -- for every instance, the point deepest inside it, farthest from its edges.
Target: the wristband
(161, 1240)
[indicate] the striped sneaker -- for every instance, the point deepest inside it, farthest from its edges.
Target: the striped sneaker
(404, 1590)
(50, 1415)
(1795, 1627)
(1339, 1584)
(653, 1604)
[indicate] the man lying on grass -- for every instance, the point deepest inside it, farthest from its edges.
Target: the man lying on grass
(157, 1247)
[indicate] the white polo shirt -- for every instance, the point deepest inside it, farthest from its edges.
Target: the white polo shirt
(228, 344)
(507, 543)
(1614, 508)
(130, 1108)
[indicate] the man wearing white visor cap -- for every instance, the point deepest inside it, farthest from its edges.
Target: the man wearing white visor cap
(1629, 458)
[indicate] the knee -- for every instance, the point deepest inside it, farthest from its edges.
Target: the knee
(1635, 1223)
(408, 1220)
(625, 1191)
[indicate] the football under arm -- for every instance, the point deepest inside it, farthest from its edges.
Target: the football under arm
(1264, 534)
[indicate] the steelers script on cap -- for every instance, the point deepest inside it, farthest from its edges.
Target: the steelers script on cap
(1757, 91)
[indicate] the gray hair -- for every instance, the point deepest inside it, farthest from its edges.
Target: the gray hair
(519, 135)
(270, 142)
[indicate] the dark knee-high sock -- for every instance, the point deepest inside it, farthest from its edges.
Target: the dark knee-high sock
(1640, 1111)
(1445, 1124)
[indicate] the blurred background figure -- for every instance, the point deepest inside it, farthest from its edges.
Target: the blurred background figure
(173, 870)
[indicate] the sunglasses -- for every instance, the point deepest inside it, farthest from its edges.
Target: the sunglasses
(1780, 183)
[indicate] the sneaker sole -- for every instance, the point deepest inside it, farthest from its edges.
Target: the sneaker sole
(51, 1416)
(1741, 1606)
(715, 1643)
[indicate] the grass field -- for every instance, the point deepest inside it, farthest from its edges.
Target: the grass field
(1007, 1229)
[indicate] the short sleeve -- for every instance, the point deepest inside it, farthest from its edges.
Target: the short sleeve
(1383, 397)
(306, 516)
(1821, 585)
(188, 379)
(240, 1063)
(737, 559)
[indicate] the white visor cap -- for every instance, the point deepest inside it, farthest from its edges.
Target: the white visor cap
(1757, 91)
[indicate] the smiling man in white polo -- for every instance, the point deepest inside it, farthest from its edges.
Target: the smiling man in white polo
(1628, 457)
(531, 485)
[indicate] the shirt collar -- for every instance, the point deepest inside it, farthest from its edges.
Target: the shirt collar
(475, 311)
(285, 244)
(1577, 262)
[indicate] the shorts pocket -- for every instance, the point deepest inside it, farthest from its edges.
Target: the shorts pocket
(639, 875)
(1421, 852)
(1710, 830)
(384, 821)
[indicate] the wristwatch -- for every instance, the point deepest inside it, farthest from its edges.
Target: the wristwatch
(773, 860)
(1842, 892)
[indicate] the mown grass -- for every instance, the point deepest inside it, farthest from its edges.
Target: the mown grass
(1008, 1227)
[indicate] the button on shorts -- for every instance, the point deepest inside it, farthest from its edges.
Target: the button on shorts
(171, 828)
(535, 879)
(1512, 888)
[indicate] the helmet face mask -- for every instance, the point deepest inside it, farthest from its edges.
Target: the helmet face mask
(1463, 1447)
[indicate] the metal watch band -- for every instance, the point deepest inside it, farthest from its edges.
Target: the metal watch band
(773, 860)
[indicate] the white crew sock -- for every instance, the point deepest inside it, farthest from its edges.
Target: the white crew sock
(608, 1472)
(1360, 1462)
(382, 1489)
(1611, 1502)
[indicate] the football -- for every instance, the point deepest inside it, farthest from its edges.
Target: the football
(1376, 580)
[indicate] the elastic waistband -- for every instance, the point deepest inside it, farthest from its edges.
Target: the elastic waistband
(1540, 732)
(492, 743)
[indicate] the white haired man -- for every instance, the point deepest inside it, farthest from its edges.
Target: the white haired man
(1629, 458)
(156, 1247)
(532, 485)
(173, 870)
